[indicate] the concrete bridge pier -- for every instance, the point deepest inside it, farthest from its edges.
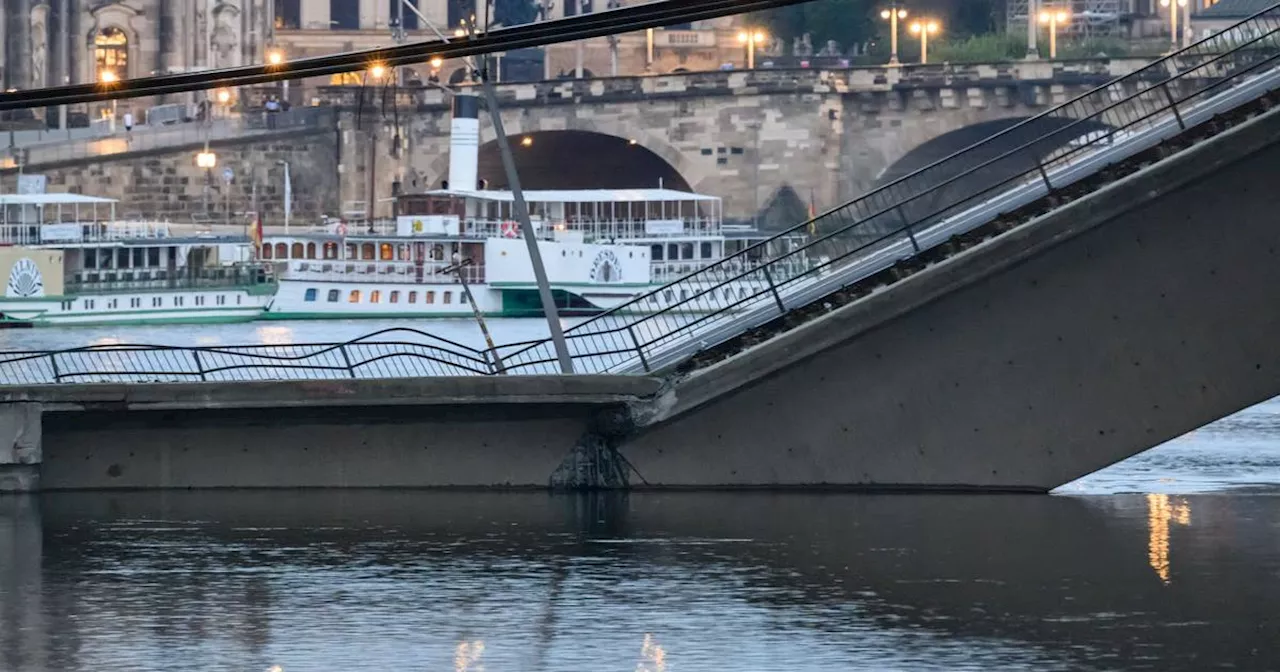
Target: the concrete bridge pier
(20, 447)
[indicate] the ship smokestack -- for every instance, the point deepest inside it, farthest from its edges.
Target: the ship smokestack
(464, 142)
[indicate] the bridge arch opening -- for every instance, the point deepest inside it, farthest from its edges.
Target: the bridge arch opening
(986, 169)
(578, 160)
(1053, 129)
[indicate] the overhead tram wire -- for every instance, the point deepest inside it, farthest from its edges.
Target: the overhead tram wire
(626, 19)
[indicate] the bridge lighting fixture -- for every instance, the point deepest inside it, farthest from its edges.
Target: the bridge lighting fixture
(206, 160)
(108, 77)
(893, 15)
(924, 28)
(632, 141)
(1173, 6)
(1054, 18)
(223, 96)
(751, 38)
(526, 141)
(377, 70)
(436, 62)
(275, 57)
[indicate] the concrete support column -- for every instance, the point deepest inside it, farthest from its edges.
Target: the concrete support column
(20, 447)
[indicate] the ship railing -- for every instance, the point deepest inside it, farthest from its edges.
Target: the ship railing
(110, 280)
(379, 272)
(668, 271)
(645, 228)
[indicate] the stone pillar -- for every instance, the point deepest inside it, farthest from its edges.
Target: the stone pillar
(20, 448)
(315, 15)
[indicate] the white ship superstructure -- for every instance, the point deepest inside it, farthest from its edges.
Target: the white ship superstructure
(68, 260)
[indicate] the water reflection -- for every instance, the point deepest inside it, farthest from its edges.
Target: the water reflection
(370, 580)
(1159, 514)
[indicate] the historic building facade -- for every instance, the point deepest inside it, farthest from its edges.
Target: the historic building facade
(135, 38)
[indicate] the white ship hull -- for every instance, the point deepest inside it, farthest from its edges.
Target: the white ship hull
(138, 308)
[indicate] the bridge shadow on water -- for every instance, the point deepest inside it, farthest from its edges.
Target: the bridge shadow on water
(698, 581)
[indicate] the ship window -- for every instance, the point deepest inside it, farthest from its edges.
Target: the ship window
(673, 251)
(402, 252)
(667, 296)
(354, 296)
(375, 296)
(311, 250)
(330, 250)
(333, 296)
(395, 297)
(111, 304)
(657, 252)
(430, 297)
(266, 251)
(296, 252)
(122, 258)
(139, 256)
(366, 251)
(310, 295)
(686, 251)
(653, 299)
(199, 300)
(282, 252)
(177, 300)
(155, 302)
(462, 298)
(413, 297)
(351, 251)
(238, 297)
(386, 252)
(222, 300)
(448, 298)
(91, 258)
(706, 250)
(153, 256)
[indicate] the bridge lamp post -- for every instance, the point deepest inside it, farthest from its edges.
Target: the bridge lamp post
(924, 29)
(751, 38)
(275, 58)
(207, 160)
(1175, 7)
(1054, 18)
(108, 79)
(893, 15)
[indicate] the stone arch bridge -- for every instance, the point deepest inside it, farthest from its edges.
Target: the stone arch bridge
(828, 136)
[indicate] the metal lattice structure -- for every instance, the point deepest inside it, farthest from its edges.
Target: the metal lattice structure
(1090, 18)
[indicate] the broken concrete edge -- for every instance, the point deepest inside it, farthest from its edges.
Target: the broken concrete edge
(460, 390)
(684, 392)
(20, 447)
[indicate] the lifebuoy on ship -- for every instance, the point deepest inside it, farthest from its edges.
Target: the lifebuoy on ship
(510, 229)
(342, 229)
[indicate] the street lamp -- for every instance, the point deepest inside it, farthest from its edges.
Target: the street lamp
(108, 78)
(924, 28)
(893, 15)
(207, 160)
(1054, 18)
(275, 58)
(1173, 20)
(751, 38)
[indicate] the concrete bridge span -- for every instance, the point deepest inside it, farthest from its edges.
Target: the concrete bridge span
(1106, 327)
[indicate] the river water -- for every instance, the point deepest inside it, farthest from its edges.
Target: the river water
(1167, 561)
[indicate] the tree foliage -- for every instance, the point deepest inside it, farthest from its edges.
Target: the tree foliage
(851, 22)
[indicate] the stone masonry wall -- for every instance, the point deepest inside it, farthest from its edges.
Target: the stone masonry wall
(168, 185)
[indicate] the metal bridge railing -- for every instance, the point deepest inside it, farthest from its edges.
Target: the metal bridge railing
(894, 222)
(928, 207)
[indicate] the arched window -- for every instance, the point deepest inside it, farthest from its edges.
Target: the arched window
(266, 250)
(296, 253)
(311, 250)
(386, 251)
(351, 251)
(111, 52)
(366, 251)
(282, 252)
(330, 250)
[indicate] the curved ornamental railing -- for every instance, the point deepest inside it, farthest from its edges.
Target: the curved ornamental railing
(391, 353)
(718, 302)
(928, 207)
